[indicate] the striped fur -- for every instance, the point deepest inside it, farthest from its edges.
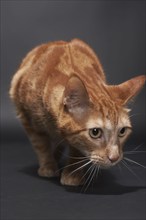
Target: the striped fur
(60, 93)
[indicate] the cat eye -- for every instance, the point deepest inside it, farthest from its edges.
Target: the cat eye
(95, 133)
(122, 131)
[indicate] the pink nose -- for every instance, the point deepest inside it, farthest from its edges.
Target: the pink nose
(113, 158)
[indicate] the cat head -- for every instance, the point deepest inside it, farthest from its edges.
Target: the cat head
(96, 120)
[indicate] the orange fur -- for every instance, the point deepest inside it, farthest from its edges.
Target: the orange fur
(60, 93)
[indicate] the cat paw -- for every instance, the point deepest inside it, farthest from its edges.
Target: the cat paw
(47, 172)
(67, 179)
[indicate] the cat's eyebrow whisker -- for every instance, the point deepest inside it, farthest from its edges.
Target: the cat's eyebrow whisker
(80, 168)
(133, 161)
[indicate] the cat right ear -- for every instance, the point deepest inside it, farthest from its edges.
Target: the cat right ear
(128, 90)
(76, 100)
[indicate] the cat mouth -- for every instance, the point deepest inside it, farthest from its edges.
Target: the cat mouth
(104, 163)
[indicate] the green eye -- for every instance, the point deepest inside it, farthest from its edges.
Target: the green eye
(122, 132)
(95, 133)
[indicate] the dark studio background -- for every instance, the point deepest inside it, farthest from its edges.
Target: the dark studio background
(116, 32)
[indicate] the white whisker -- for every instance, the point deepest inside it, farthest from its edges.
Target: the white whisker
(91, 176)
(133, 161)
(134, 152)
(136, 148)
(69, 165)
(76, 157)
(119, 168)
(97, 169)
(131, 171)
(57, 144)
(92, 169)
(134, 115)
(86, 173)
(79, 168)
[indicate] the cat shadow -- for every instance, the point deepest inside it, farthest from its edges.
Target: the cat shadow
(106, 189)
(105, 184)
(32, 171)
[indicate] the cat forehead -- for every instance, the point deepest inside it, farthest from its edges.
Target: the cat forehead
(123, 121)
(99, 122)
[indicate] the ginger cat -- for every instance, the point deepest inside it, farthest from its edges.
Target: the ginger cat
(61, 96)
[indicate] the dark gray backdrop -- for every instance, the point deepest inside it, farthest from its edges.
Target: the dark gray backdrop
(116, 31)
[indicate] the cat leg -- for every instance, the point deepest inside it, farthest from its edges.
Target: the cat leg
(73, 174)
(43, 148)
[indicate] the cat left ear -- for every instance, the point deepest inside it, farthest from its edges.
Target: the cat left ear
(129, 89)
(76, 100)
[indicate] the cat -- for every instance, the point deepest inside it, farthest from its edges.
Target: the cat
(62, 97)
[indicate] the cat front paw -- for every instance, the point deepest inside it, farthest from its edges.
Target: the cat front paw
(47, 171)
(71, 180)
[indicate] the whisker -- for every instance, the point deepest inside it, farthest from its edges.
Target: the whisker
(69, 165)
(69, 156)
(97, 169)
(136, 148)
(91, 177)
(59, 143)
(90, 168)
(85, 173)
(119, 168)
(94, 175)
(76, 157)
(134, 115)
(133, 161)
(80, 167)
(131, 171)
(134, 152)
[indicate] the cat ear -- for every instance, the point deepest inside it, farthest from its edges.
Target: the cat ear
(76, 98)
(129, 89)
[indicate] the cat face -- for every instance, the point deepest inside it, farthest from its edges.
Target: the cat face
(98, 126)
(100, 139)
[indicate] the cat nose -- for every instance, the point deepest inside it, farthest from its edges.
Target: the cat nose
(113, 153)
(113, 158)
